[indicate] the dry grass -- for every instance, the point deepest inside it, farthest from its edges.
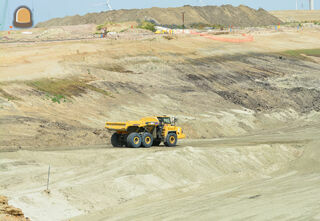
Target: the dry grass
(65, 87)
(299, 54)
(113, 68)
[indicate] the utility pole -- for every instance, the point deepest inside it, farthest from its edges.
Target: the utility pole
(48, 180)
(296, 4)
(183, 20)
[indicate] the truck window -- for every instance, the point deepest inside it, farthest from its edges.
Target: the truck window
(164, 120)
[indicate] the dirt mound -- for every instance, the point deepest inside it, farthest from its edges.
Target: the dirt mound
(88, 181)
(225, 15)
(297, 16)
(10, 213)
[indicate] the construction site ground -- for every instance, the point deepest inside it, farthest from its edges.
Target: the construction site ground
(250, 111)
(297, 16)
(269, 176)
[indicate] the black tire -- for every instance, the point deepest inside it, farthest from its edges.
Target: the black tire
(125, 142)
(171, 140)
(156, 143)
(115, 140)
(147, 140)
(134, 140)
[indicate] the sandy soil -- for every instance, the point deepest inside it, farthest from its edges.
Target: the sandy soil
(246, 86)
(297, 16)
(261, 105)
(36, 60)
(267, 176)
(10, 213)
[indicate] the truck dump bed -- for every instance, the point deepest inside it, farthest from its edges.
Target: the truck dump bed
(123, 126)
(118, 126)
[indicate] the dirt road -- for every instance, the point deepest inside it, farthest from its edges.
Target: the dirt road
(274, 175)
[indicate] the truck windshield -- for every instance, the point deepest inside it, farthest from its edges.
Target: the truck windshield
(165, 120)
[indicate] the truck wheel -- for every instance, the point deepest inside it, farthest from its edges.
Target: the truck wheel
(147, 140)
(156, 142)
(134, 140)
(125, 142)
(171, 140)
(115, 140)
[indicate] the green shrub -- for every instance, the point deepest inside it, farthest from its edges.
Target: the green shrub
(173, 26)
(299, 53)
(203, 25)
(58, 98)
(147, 25)
(101, 26)
(124, 30)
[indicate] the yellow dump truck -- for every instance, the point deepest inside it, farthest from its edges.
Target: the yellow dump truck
(147, 132)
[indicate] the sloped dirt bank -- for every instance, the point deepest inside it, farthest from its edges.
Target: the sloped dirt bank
(212, 97)
(203, 178)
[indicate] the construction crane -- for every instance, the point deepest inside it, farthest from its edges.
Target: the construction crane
(4, 14)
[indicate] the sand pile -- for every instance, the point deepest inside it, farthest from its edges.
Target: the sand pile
(226, 15)
(297, 16)
(10, 213)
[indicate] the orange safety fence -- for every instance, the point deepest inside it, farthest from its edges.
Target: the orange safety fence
(248, 38)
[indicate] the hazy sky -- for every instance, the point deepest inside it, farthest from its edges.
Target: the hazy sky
(46, 9)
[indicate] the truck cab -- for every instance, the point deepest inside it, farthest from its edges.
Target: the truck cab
(169, 126)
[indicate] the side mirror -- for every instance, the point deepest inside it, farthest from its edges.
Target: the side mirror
(174, 120)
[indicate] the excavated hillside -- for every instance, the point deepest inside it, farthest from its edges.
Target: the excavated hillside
(241, 16)
(259, 100)
(62, 93)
